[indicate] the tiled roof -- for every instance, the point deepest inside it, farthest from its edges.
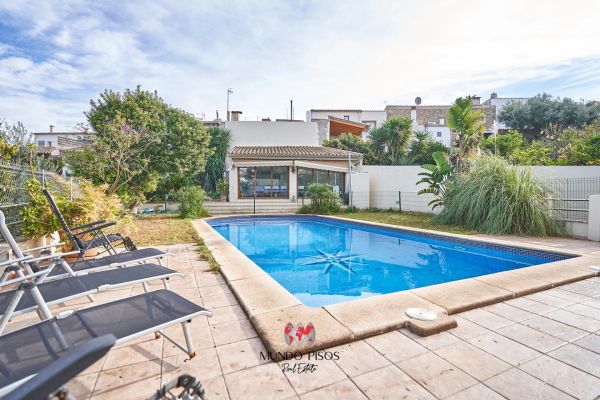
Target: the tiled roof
(310, 152)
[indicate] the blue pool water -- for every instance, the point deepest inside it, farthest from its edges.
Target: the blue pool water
(323, 261)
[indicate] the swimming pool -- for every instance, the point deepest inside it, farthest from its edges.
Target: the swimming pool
(324, 261)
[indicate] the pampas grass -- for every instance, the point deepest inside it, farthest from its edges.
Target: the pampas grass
(498, 198)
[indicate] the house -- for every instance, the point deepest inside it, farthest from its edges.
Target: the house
(333, 122)
(428, 118)
(56, 140)
(434, 118)
(277, 160)
(499, 103)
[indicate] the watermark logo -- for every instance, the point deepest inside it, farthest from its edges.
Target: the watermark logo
(299, 334)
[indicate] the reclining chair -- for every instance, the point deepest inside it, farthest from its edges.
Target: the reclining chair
(94, 229)
(33, 288)
(25, 351)
(89, 265)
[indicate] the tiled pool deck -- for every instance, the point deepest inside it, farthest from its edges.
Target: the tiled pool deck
(541, 346)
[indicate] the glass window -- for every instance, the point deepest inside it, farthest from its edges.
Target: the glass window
(322, 176)
(333, 179)
(441, 121)
(41, 143)
(347, 117)
(263, 181)
(280, 182)
(246, 181)
(305, 178)
(439, 134)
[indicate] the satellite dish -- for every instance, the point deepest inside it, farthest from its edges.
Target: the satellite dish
(417, 100)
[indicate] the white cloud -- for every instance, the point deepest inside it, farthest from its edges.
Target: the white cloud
(321, 54)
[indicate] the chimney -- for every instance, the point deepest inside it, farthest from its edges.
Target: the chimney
(476, 100)
(494, 95)
(235, 115)
(51, 128)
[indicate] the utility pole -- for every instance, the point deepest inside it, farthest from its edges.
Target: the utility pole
(229, 91)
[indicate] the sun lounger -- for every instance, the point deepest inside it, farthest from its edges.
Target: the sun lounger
(88, 265)
(27, 350)
(95, 230)
(48, 381)
(31, 287)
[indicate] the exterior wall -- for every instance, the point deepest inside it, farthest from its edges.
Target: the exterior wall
(273, 133)
(373, 118)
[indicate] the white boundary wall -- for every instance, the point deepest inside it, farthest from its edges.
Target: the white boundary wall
(386, 181)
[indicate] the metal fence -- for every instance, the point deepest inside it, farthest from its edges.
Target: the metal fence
(569, 199)
(13, 193)
(394, 200)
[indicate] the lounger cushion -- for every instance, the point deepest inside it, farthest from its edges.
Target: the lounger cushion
(59, 289)
(26, 351)
(121, 258)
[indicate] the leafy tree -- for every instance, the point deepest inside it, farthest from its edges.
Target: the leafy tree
(533, 117)
(140, 142)
(350, 142)
(504, 145)
(422, 148)
(390, 141)
(220, 140)
(468, 126)
(436, 177)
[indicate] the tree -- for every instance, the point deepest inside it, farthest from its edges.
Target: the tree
(468, 126)
(350, 142)
(422, 148)
(534, 116)
(504, 145)
(140, 141)
(389, 142)
(220, 140)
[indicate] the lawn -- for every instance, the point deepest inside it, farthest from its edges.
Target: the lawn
(153, 230)
(416, 220)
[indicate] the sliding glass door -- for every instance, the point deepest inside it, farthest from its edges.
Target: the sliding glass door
(263, 181)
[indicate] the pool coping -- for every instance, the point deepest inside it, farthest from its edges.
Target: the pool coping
(270, 307)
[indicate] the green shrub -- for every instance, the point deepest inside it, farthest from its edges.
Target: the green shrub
(323, 200)
(498, 198)
(89, 204)
(223, 187)
(192, 202)
(351, 209)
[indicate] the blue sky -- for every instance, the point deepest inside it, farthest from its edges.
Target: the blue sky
(57, 55)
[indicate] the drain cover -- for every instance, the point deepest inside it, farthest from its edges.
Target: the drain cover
(421, 314)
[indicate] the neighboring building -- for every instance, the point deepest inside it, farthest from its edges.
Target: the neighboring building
(52, 139)
(334, 122)
(279, 159)
(54, 144)
(429, 118)
(499, 103)
(434, 118)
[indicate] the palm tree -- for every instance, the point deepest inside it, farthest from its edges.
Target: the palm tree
(391, 139)
(220, 139)
(468, 126)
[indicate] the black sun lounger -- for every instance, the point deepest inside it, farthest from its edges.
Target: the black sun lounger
(72, 287)
(26, 351)
(89, 265)
(48, 382)
(78, 234)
